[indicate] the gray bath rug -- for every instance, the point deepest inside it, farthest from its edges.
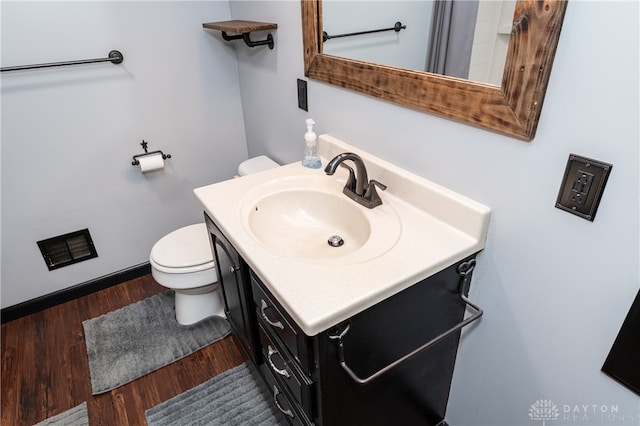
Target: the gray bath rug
(237, 397)
(130, 342)
(76, 416)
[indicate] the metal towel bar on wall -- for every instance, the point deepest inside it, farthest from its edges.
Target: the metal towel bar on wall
(464, 270)
(115, 57)
(396, 27)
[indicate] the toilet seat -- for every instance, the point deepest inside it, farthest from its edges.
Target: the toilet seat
(185, 250)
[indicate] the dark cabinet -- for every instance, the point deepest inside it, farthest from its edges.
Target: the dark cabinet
(311, 377)
(275, 319)
(416, 390)
(233, 278)
(287, 354)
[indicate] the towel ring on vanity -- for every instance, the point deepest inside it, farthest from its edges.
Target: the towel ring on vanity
(464, 270)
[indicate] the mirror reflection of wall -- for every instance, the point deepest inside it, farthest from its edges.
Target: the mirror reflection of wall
(459, 38)
(491, 40)
(404, 49)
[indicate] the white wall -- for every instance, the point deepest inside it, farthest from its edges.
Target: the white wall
(555, 288)
(68, 134)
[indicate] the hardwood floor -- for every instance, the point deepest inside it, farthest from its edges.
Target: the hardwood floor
(45, 370)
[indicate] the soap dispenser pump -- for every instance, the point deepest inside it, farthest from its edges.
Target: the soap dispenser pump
(311, 158)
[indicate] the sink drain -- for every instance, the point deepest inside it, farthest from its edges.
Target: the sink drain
(335, 241)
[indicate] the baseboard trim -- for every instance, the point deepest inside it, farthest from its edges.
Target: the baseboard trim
(56, 298)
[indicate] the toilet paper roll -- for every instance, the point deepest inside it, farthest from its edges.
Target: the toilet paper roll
(151, 162)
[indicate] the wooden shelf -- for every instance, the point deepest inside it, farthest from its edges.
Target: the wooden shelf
(239, 26)
(244, 29)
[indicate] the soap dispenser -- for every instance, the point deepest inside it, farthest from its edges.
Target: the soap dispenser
(311, 158)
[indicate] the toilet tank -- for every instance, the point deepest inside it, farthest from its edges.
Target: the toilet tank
(256, 164)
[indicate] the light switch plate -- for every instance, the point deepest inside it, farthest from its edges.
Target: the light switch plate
(582, 186)
(302, 95)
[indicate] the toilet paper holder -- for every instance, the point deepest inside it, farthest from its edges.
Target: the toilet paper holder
(144, 144)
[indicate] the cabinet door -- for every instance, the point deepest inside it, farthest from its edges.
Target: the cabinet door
(414, 392)
(233, 278)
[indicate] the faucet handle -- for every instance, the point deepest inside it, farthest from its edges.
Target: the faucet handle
(380, 185)
(371, 195)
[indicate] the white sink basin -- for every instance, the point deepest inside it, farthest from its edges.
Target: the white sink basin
(299, 223)
(279, 221)
(296, 217)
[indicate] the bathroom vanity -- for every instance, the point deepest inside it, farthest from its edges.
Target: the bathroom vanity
(365, 335)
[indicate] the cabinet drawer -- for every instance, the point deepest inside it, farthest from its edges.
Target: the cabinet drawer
(287, 372)
(278, 323)
(281, 399)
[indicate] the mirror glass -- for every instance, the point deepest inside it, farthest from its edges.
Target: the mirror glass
(466, 39)
(511, 107)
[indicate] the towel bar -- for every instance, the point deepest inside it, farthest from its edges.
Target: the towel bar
(396, 27)
(464, 270)
(115, 57)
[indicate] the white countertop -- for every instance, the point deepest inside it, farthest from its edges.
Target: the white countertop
(438, 228)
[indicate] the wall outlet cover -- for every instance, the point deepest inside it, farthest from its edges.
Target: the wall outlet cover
(582, 186)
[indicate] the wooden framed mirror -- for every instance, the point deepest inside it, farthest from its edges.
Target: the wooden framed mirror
(512, 109)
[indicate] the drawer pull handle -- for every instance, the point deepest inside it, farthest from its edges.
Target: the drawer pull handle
(464, 271)
(276, 392)
(270, 353)
(263, 307)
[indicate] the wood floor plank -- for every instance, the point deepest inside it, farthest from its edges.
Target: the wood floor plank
(45, 370)
(10, 345)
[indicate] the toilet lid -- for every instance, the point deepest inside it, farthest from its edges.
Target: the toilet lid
(256, 165)
(183, 248)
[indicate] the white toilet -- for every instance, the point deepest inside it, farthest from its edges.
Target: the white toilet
(182, 261)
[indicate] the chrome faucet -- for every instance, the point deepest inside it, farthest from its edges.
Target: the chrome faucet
(358, 187)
